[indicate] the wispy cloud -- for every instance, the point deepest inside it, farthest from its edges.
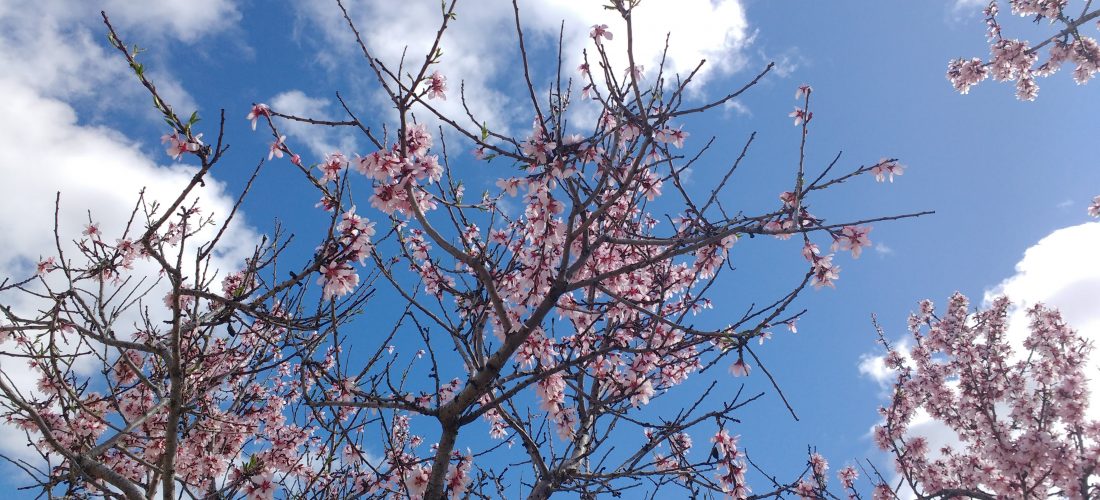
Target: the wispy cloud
(786, 62)
(479, 47)
(738, 107)
(963, 10)
(319, 140)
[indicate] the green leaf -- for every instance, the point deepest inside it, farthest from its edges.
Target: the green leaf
(194, 118)
(484, 131)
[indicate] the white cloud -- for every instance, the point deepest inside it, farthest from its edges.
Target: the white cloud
(60, 49)
(961, 5)
(183, 20)
(738, 107)
(882, 250)
(966, 10)
(50, 47)
(786, 62)
(320, 140)
(874, 367)
(479, 46)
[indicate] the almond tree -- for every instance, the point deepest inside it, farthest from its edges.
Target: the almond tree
(553, 328)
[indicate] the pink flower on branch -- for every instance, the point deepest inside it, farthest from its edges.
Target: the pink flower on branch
(337, 279)
(740, 368)
(852, 238)
(277, 148)
(801, 116)
(824, 272)
(257, 111)
(887, 169)
(177, 145)
(437, 85)
(803, 91)
(600, 31)
(45, 266)
(672, 136)
(333, 165)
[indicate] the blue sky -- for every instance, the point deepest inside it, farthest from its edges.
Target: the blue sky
(1001, 174)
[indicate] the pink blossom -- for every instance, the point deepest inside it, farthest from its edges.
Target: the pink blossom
(672, 136)
(825, 272)
(847, 476)
(852, 238)
(418, 139)
(327, 203)
(803, 91)
(964, 74)
(92, 231)
(598, 31)
(261, 487)
(887, 168)
(538, 146)
(805, 490)
(277, 148)
(257, 111)
(437, 86)
(177, 145)
(338, 279)
(883, 491)
(1094, 208)
(818, 464)
(46, 266)
(740, 368)
(800, 115)
(332, 166)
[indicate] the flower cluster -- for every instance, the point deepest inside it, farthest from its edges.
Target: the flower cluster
(1019, 416)
(1015, 60)
(353, 245)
